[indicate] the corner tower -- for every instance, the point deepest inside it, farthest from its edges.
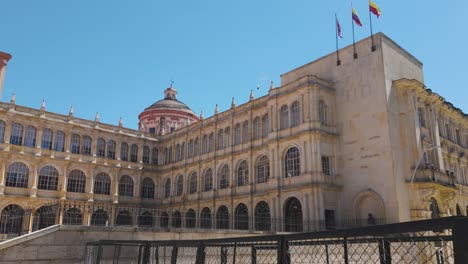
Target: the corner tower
(166, 115)
(4, 58)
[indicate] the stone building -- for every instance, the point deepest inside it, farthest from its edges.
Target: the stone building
(363, 142)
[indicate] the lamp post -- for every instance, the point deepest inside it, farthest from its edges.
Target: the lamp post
(419, 160)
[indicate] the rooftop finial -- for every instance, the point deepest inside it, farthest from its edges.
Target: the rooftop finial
(96, 118)
(216, 109)
(43, 105)
(233, 103)
(251, 95)
(172, 82)
(120, 122)
(13, 98)
(70, 113)
(201, 115)
(271, 86)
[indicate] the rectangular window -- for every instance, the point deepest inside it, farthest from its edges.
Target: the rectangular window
(152, 130)
(422, 120)
(458, 136)
(447, 132)
(330, 219)
(326, 165)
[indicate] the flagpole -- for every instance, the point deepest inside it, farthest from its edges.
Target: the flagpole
(354, 44)
(371, 34)
(338, 61)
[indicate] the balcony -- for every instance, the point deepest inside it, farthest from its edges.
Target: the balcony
(428, 173)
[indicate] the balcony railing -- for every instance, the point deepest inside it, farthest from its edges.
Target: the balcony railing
(428, 173)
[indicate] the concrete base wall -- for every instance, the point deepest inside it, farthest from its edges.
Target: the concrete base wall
(66, 244)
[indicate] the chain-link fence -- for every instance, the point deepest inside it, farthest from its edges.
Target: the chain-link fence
(437, 241)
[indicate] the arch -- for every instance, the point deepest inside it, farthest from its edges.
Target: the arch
(147, 189)
(434, 207)
(208, 180)
(99, 218)
(262, 169)
(459, 213)
(16, 136)
(111, 149)
(369, 207)
(190, 219)
(223, 177)
(295, 114)
(180, 185)
(241, 217)
(284, 117)
(262, 217)
(222, 218)
(292, 163)
(167, 188)
(76, 181)
(242, 173)
(205, 218)
(124, 218)
(177, 219)
(102, 183)
(193, 183)
(293, 215)
(44, 216)
(48, 178)
(145, 219)
(73, 216)
(126, 186)
(101, 148)
(17, 175)
(164, 220)
(11, 220)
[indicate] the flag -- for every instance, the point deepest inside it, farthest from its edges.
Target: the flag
(374, 8)
(356, 18)
(338, 28)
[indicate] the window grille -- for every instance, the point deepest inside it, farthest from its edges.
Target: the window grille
(205, 218)
(16, 137)
(86, 147)
(48, 178)
(134, 153)
(256, 128)
(76, 181)
(295, 114)
(265, 126)
(124, 151)
(180, 185)
(99, 218)
(222, 218)
(75, 144)
(17, 175)
(30, 137)
(223, 176)
(73, 216)
(47, 137)
(242, 173)
(227, 137)
(126, 186)
(193, 182)
(211, 142)
(190, 219)
(245, 132)
(241, 217)
(220, 143)
(195, 147)
(237, 130)
(111, 149)
(146, 155)
(292, 162)
(59, 144)
(326, 165)
(167, 188)
(284, 117)
(263, 169)
(208, 180)
(2, 131)
(154, 156)
(147, 189)
(323, 113)
(101, 148)
(123, 219)
(102, 184)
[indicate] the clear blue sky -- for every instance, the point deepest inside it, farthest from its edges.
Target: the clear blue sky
(117, 57)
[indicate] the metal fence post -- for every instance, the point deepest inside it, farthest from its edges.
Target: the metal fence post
(460, 241)
(175, 250)
(200, 254)
(224, 255)
(384, 252)
(283, 251)
(253, 255)
(99, 254)
(345, 250)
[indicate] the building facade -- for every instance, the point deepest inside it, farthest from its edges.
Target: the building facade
(364, 142)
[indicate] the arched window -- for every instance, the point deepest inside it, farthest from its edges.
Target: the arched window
(168, 155)
(284, 117)
(59, 144)
(242, 173)
(167, 188)
(164, 220)
(30, 137)
(47, 138)
(134, 153)
(145, 219)
(102, 184)
(182, 151)
(193, 182)
(177, 153)
(295, 114)
(73, 216)
(256, 128)
(147, 189)
(323, 113)
(237, 132)
(205, 218)
(245, 131)
(44, 217)
(75, 143)
(124, 151)
(2, 131)
(265, 126)
(195, 147)
(262, 217)
(220, 141)
(222, 218)
(458, 210)
(223, 177)
(99, 218)
(262, 169)
(211, 142)
(146, 155)
(190, 149)
(11, 220)
(86, 147)
(434, 207)
(292, 163)
(190, 219)
(16, 136)
(177, 219)
(111, 149)
(17, 175)
(48, 178)
(123, 219)
(227, 137)
(204, 143)
(208, 180)
(101, 148)
(241, 217)
(76, 181)
(180, 185)
(293, 215)
(126, 186)
(154, 156)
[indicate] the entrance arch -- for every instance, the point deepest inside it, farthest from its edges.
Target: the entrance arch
(369, 208)
(293, 215)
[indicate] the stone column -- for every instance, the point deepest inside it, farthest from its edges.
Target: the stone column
(116, 188)
(35, 175)
(2, 177)
(4, 58)
(118, 149)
